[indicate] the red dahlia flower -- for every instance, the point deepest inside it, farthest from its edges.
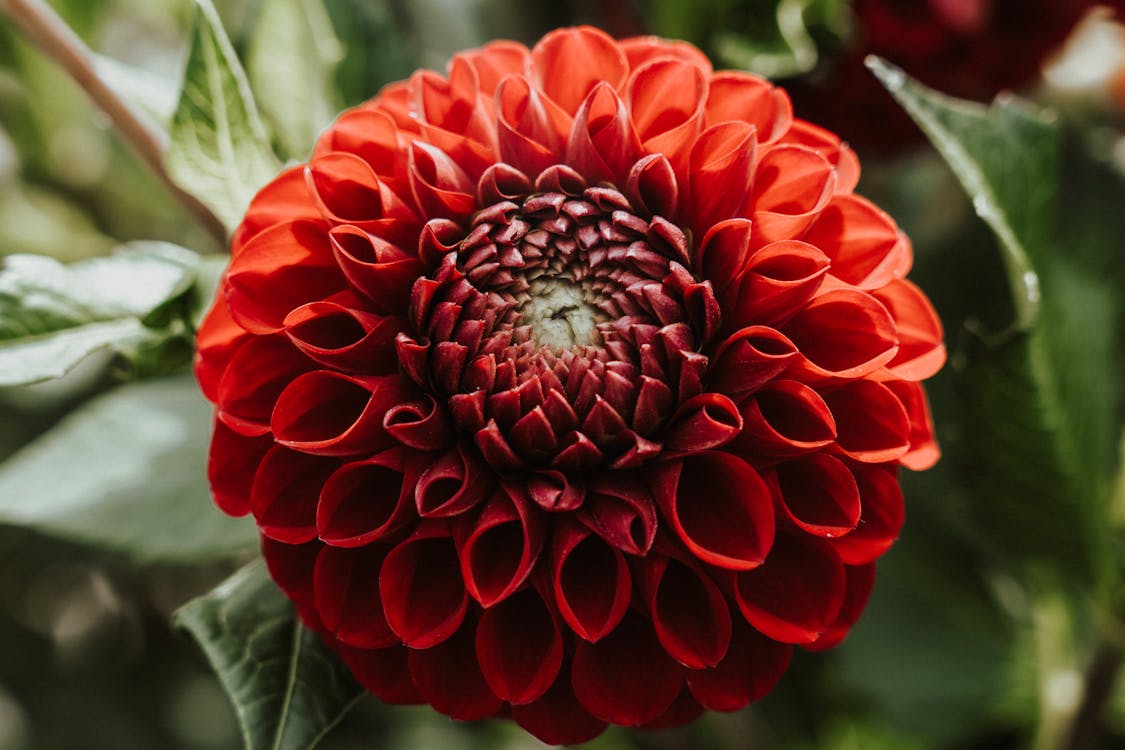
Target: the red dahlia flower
(571, 386)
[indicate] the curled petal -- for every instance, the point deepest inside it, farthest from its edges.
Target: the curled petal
(420, 424)
(744, 97)
(557, 717)
(384, 672)
(218, 338)
(703, 422)
(721, 165)
(499, 549)
(749, 359)
(865, 246)
(718, 506)
(921, 352)
(257, 374)
(792, 185)
(797, 593)
(372, 136)
(752, 666)
(366, 500)
(683, 710)
(284, 495)
(231, 464)
(284, 201)
(723, 255)
(860, 581)
(347, 599)
(588, 56)
(496, 60)
(785, 417)
(871, 423)
(344, 337)
(842, 158)
(842, 333)
(691, 617)
(332, 414)
(422, 591)
(452, 484)
(347, 191)
(602, 143)
(556, 491)
(620, 509)
(924, 451)
(604, 674)
(519, 647)
(643, 49)
(531, 128)
(820, 495)
(440, 187)
(776, 281)
(880, 519)
(652, 186)
(665, 98)
(449, 678)
(379, 270)
(277, 271)
(592, 584)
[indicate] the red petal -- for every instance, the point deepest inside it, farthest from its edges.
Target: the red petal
(284, 496)
(665, 98)
(684, 709)
(784, 418)
(776, 281)
(568, 63)
(866, 247)
(620, 508)
(792, 185)
(861, 579)
(349, 192)
(690, 615)
(256, 375)
(345, 338)
(607, 675)
(592, 585)
(345, 584)
(556, 491)
(871, 423)
(642, 49)
(383, 672)
(721, 167)
(332, 414)
(749, 359)
(285, 200)
(745, 97)
(421, 424)
(703, 422)
(373, 137)
(423, 595)
(797, 593)
(452, 484)
(496, 60)
(924, 451)
(519, 647)
(380, 271)
(218, 338)
(557, 718)
(602, 144)
(842, 333)
(440, 187)
(881, 517)
(652, 186)
(277, 271)
(719, 506)
(291, 567)
(751, 668)
(723, 254)
(819, 494)
(232, 461)
(831, 148)
(501, 547)
(920, 352)
(366, 500)
(448, 677)
(531, 128)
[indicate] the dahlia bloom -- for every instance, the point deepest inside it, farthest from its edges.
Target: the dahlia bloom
(571, 386)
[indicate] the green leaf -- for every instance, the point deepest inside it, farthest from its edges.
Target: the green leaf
(287, 687)
(151, 93)
(126, 472)
(219, 151)
(1042, 400)
(52, 315)
(291, 62)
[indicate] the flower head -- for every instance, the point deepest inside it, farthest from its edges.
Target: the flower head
(571, 386)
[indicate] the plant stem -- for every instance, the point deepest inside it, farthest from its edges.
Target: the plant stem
(46, 30)
(1086, 729)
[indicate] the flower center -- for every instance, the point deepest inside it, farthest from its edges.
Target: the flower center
(559, 315)
(563, 330)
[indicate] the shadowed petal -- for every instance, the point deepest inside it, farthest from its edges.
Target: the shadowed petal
(421, 588)
(519, 647)
(449, 678)
(592, 584)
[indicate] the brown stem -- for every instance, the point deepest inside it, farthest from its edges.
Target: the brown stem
(1087, 729)
(43, 27)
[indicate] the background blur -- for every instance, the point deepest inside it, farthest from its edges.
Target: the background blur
(956, 650)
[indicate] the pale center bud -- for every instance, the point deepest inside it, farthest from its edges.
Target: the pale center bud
(560, 316)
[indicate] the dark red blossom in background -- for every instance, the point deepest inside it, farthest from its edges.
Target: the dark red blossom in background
(571, 386)
(972, 49)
